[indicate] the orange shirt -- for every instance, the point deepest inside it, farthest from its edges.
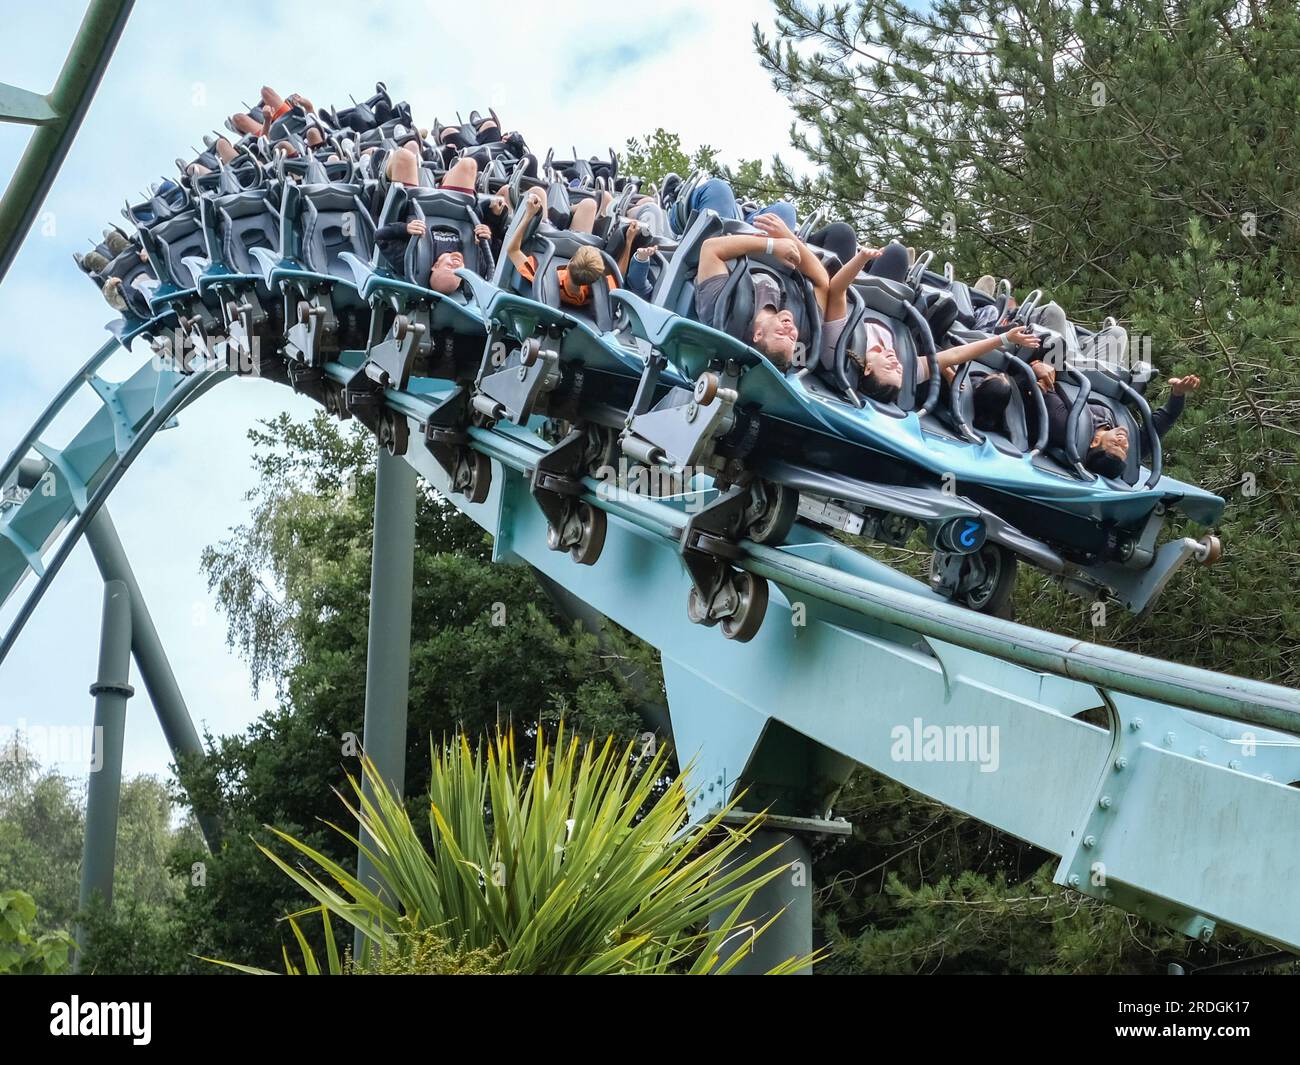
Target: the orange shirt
(529, 270)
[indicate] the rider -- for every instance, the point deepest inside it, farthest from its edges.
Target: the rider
(1108, 446)
(773, 330)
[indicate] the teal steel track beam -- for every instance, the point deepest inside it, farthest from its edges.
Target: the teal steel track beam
(1218, 694)
(388, 649)
(104, 790)
(150, 657)
(56, 118)
(1178, 808)
(184, 393)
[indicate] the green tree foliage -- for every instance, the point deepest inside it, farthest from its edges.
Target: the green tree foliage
(294, 583)
(660, 153)
(21, 952)
(1128, 158)
(42, 824)
(571, 860)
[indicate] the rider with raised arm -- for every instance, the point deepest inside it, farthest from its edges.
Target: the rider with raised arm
(773, 330)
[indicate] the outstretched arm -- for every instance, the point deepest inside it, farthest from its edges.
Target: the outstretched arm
(809, 265)
(716, 252)
(533, 203)
(837, 304)
(1179, 389)
(1016, 336)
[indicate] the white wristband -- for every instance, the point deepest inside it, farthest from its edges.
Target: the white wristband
(770, 245)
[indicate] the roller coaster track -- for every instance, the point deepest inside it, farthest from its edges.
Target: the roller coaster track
(55, 117)
(1179, 808)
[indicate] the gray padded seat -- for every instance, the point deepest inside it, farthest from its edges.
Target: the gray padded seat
(245, 221)
(170, 242)
(333, 221)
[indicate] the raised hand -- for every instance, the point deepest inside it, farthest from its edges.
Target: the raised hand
(772, 225)
(1180, 386)
(1021, 337)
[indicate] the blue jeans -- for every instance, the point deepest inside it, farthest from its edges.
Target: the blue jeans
(716, 195)
(637, 278)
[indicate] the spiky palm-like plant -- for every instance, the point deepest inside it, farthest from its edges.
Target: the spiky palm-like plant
(572, 865)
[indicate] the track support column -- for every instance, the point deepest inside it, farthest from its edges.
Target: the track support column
(791, 891)
(150, 658)
(388, 652)
(111, 691)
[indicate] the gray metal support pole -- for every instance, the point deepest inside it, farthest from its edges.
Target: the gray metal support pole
(150, 658)
(388, 651)
(111, 691)
(791, 891)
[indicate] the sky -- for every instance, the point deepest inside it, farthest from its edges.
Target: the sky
(585, 75)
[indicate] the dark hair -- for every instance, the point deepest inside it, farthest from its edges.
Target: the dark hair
(1104, 464)
(878, 390)
(992, 394)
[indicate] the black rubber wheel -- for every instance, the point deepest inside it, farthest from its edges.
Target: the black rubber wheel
(744, 624)
(776, 507)
(989, 580)
(394, 433)
(592, 542)
(480, 477)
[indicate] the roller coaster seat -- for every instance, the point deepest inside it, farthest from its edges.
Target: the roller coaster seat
(881, 302)
(441, 209)
(241, 222)
(170, 242)
(553, 248)
(321, 222)
(168, 198)
(1086, 404)
(675, 290)
(1015, 437)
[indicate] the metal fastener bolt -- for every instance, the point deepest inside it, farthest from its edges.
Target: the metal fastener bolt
(1135, 724)
(692, 409)
(1121, 763)
(1074, 880)
(1202, 752)
(1169, 739)
(1105, 802)
(1234, 764)
(1090, 841)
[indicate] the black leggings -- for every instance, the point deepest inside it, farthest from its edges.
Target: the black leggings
(837, 238)
(893, 263)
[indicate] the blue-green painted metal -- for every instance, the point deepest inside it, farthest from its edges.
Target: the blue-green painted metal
(56, 118)
(111, 690)
(388, 647)
(1179, 809)
(150, 657)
